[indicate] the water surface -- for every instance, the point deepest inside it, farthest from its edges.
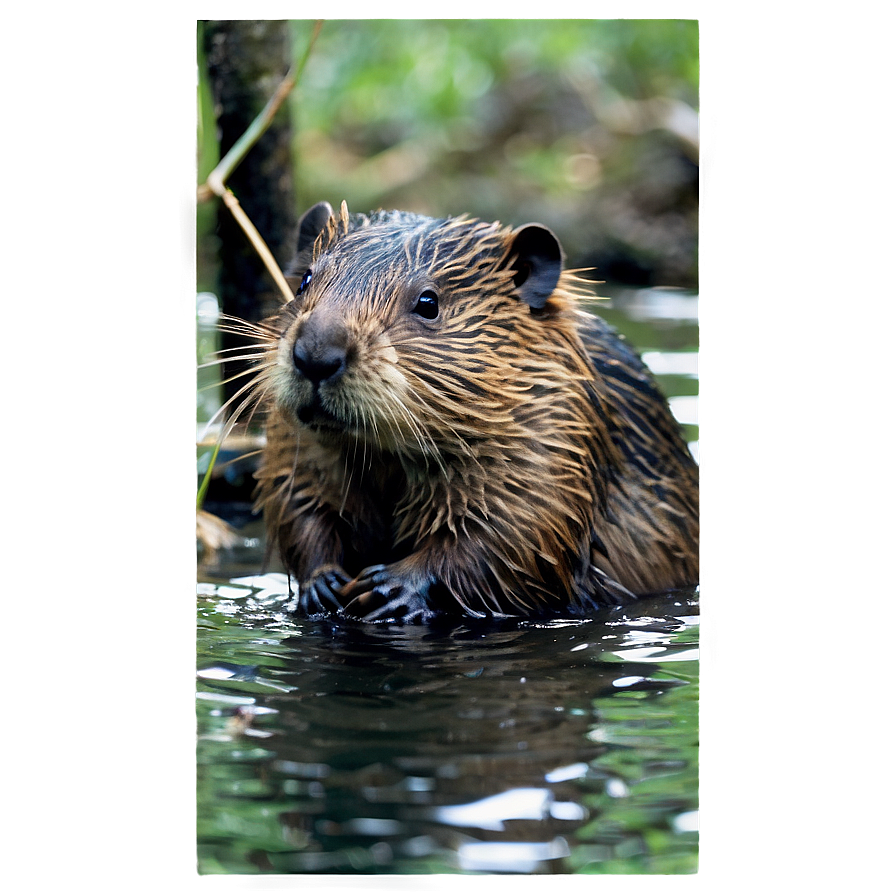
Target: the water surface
(566, 746)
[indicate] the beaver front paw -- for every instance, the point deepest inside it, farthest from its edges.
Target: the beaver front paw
(320, 594)
(380, 594)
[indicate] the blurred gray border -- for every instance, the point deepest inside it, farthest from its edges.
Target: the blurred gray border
(798, 399)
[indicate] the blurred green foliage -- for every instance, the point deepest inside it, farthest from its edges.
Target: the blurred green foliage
(587, 126)
(417, 76)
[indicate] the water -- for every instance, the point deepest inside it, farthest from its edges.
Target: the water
(562, 747)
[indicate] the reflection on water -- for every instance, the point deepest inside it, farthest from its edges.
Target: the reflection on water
(568, 746)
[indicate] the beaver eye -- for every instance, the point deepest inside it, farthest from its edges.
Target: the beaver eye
(427, 305)
(306, 282)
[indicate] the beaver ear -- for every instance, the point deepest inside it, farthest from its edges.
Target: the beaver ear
(539, 261)
(312, 223)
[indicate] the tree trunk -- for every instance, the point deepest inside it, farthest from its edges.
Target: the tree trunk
(246, 61)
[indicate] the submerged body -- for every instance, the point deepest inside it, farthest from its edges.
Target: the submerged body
(448, 433)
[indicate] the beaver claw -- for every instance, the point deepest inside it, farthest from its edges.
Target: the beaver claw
(380, 595)
(320, 594)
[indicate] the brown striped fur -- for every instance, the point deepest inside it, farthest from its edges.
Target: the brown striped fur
(511, 457)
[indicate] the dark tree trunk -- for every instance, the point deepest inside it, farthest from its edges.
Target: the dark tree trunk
(246, 61)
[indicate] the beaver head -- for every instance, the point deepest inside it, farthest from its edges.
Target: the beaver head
(413, 334)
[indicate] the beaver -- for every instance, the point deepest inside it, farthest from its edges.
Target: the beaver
(449, 434)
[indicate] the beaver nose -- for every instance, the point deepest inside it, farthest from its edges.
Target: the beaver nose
(320, 350)
(317, 363)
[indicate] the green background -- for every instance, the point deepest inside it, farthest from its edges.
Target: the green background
(798, 446)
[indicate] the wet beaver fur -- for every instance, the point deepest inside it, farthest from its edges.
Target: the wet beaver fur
(449, 433)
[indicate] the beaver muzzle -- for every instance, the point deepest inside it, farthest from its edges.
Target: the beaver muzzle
(320, 356)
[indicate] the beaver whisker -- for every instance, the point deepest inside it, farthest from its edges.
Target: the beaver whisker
(252, 399)
(458, 444)
(261, 347)
(267, 345)
(258, 356)
(220, 362)
(398, 412)
(279, 500)
(367, 443)
(259, 400)
(393, 427)
(262, 328)
(208, 387)
(364, 424)
(348, 473)
(241, 327)
(363, 427)
(258, 369)
(255, 356)
(394, 407)
(224, 407)
(426, 443)
(255, 383)
(257, 361)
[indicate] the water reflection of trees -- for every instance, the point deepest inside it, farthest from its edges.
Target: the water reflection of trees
(392, 742)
